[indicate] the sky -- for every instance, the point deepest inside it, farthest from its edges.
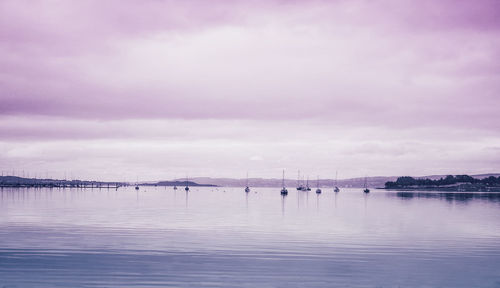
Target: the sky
(153, 90)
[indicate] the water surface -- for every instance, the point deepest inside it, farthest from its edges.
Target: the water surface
(223, 237)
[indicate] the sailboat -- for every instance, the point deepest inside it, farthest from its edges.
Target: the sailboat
(247, 189)
(136, 184)
(284, 191)
(175, 185)
(187, 186)
(300, 186)
(307, 185)
(336, 189)
(366, 190)
(318, 191)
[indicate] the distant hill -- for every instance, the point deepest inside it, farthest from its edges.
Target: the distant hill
(262, 182)
(178, 183)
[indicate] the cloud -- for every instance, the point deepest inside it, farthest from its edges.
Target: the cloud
(256, 158)
(349, 82)
(249, 61)
(160, 149)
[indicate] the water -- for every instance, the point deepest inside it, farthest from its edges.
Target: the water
(222, 237)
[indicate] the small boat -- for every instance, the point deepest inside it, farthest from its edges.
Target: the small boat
(175, 187)
(318, 190)
(366, 190)
(284, 191)
(136, 187)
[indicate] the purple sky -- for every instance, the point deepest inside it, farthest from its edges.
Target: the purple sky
(158, 89)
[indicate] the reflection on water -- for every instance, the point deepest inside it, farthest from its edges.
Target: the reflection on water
(283, 199)
(228, 238)
(449, 196)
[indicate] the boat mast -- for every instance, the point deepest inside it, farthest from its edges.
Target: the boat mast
(283, 181)
(298, 178)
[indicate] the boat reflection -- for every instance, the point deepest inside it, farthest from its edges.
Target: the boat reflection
(448, 196)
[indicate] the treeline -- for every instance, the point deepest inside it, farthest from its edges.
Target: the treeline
(407, 181)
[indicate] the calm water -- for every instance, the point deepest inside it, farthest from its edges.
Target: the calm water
(223, 237)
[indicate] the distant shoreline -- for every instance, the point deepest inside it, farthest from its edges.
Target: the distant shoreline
(21, 182)
(457, 183)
